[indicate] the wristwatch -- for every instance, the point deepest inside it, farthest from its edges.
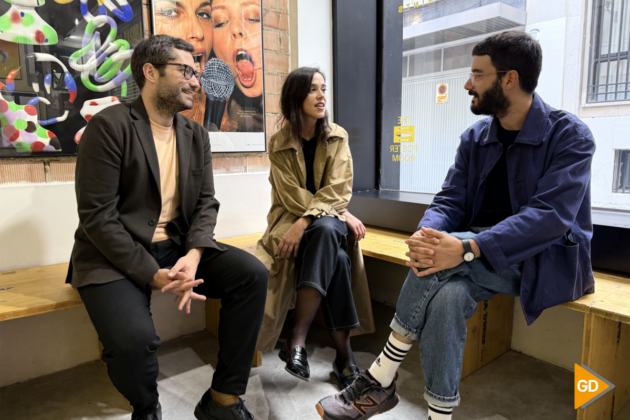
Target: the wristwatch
(469, 255)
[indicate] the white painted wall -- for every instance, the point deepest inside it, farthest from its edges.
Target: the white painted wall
(37, 227)
(315, 40)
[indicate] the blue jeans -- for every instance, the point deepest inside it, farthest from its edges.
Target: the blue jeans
(434, 309)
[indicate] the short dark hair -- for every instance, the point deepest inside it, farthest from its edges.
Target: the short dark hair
(295, 89)
(514, 50)
(155, 49)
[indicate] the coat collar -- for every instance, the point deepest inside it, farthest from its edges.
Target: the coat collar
(533, 128)
(321, 153)
(183, 141)
(285, 132)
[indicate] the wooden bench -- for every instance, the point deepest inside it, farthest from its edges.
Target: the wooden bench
(38, 290)
(606, 338)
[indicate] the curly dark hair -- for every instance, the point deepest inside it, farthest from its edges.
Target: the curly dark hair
(155, 49)
(514, 50)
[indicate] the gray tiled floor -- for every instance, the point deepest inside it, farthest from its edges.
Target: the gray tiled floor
(514, 387)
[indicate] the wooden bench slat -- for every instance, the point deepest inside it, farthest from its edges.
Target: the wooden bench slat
(38, 290)
(34, 291)
(611, 299)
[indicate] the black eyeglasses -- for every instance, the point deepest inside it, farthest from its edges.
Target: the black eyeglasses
(188, 71)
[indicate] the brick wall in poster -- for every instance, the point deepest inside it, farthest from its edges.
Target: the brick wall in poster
(277, 58)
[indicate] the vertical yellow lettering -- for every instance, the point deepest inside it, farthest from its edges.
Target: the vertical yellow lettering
(407, 5)
(400, 9)
(416, 5)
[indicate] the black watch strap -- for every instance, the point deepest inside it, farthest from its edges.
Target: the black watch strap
(467, 247)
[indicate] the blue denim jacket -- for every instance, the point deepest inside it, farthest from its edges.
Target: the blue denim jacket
(549, 173)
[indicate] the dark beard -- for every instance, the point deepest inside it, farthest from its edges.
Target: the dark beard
(168, 100)
(493, 102)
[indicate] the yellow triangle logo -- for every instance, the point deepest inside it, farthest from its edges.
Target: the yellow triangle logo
(588, 386)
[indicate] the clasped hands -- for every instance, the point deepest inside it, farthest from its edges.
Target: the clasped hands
(290, 243)
(433, 250)
(180, 279)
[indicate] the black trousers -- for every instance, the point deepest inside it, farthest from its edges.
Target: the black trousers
(322, 263)
(121, 314)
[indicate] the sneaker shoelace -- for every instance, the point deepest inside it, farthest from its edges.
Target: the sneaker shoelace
(361, 385)
(242, 410)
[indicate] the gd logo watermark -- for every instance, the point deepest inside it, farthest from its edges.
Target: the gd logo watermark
(589, 386)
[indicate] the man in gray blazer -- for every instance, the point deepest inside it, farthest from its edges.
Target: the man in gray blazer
(147, 211)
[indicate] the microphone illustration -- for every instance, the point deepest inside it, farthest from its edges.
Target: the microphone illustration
(218, 83)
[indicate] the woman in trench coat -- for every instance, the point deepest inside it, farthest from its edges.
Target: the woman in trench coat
(311, 246)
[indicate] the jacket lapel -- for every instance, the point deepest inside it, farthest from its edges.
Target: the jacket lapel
(143, 129)
(184, 142)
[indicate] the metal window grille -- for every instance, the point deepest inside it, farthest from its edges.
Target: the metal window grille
(610, 42)
(621, 174)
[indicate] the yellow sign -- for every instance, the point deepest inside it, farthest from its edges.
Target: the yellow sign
(589, 386)
(441, 93)
(404, 134)
(416, 4)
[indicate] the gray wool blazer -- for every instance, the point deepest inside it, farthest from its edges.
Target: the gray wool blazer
(119, 201)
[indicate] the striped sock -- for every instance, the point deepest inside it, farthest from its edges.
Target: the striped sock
(440, 413)
(386, 364)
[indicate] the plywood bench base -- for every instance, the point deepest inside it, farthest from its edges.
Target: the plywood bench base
(606, 350)
(213, 306)
(489, 333)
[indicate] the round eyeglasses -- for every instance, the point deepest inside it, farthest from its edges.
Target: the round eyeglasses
(189, 72)
(472, 76)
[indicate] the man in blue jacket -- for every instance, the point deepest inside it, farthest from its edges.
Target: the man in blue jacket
(518, 205)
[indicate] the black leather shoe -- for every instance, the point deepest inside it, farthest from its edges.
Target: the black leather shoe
(208, 409)
(149, 414)
(347, 376)
(296, 360)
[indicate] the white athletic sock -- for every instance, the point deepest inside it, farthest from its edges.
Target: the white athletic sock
(440, 413)
(386, 364)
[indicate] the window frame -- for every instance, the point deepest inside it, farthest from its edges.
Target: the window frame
(587, 65)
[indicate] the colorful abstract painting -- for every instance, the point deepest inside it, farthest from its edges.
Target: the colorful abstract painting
(9, 58)
(75, 61)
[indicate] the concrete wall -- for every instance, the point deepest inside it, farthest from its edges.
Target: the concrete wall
(37, 228)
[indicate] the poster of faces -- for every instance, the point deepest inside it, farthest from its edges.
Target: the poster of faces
(227, 37)
(61, 62)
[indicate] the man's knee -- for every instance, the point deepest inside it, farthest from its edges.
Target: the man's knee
(132, 345)
(453, 295)
(256, 274)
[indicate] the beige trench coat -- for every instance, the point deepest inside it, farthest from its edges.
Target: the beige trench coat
(290, 200)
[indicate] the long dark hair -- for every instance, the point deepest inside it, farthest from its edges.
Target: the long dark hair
(294, 92)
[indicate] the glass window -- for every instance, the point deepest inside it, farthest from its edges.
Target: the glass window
(404, 68)
(621, 177)
(458, 57)
(425, 63)
(610, 40)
